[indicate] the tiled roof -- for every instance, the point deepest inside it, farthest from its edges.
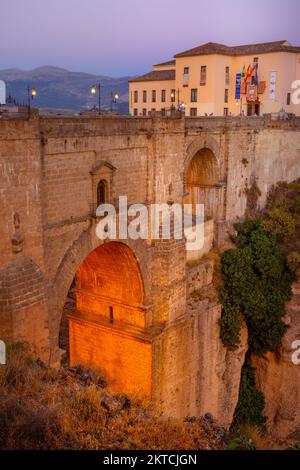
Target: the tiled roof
(169, 62)
(155, 75)
(215, 48)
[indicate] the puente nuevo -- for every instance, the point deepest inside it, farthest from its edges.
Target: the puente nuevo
(135, 315)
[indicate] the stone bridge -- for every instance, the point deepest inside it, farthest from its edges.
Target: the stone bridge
(135, 316)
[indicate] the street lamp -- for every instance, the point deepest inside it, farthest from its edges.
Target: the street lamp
(113, 99)
(94, 91)
(31, 93)
(173, 96)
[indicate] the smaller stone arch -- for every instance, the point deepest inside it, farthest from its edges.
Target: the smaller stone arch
(203, 142)
(202, 169)
(202, 176)
(23, 304)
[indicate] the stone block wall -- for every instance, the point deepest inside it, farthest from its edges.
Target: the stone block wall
(47, 186)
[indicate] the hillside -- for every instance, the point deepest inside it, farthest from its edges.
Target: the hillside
(72, 408)
(60, 89)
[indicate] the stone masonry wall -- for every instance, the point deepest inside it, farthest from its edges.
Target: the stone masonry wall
(48, 167)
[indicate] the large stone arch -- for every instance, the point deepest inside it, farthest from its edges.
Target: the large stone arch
(73, 258)
(108, 324)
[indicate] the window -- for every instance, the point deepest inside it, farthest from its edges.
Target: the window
(225, 111)
(144, 96)
(135, 112)
(185, 78)
(227, 77)
(226, 95)
(135, 96)
(173, 96)
(111, 315)
(203, 75)
(163, 96)
(194, 95)
(153, 110)
(163, 111)
(101, 192)
(153, 96)
(255, 60)
(288, 99)
(193, 112)
(144, 112)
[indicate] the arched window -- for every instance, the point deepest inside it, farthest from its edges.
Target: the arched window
(101, 192)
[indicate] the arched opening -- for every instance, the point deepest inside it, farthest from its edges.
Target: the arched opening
(102, 192)
(107, 323)
(201, 180)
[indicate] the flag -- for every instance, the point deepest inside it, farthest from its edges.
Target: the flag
(256, 74)
(244, 72)
(249, 72)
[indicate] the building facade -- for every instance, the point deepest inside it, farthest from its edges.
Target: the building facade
(214, 79)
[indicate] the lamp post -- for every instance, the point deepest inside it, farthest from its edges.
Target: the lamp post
(31, 93)
(94, 91)
(113, 99)
(173, 96)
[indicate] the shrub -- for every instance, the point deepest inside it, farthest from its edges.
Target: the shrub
(257, 283)
(240, 442)
(251, 402)
(280, 223)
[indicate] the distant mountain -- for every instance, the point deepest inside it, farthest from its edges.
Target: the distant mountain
(59, 89)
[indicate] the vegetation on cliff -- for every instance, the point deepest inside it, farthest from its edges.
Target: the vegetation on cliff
(251, 402)
(43, 408)
(258, 273)
(257, 283)
(257, 277)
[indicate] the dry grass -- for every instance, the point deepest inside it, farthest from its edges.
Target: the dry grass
(42, 408)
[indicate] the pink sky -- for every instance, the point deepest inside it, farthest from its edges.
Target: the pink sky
(125, 37)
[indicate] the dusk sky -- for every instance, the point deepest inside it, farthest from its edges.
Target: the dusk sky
(125, 37)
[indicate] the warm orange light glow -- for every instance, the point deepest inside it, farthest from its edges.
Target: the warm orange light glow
(93, 90)
(107, 331)
(33, 92)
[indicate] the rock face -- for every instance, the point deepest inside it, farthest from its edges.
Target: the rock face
(279, 379)
(214, 386)
(199, 276)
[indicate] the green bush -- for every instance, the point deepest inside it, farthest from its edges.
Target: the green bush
(240, 442)
(251, 402)
(257, 283)
(257, 277)
(280, 223)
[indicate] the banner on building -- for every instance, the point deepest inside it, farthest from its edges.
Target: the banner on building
(238, 81)
(273, 85)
